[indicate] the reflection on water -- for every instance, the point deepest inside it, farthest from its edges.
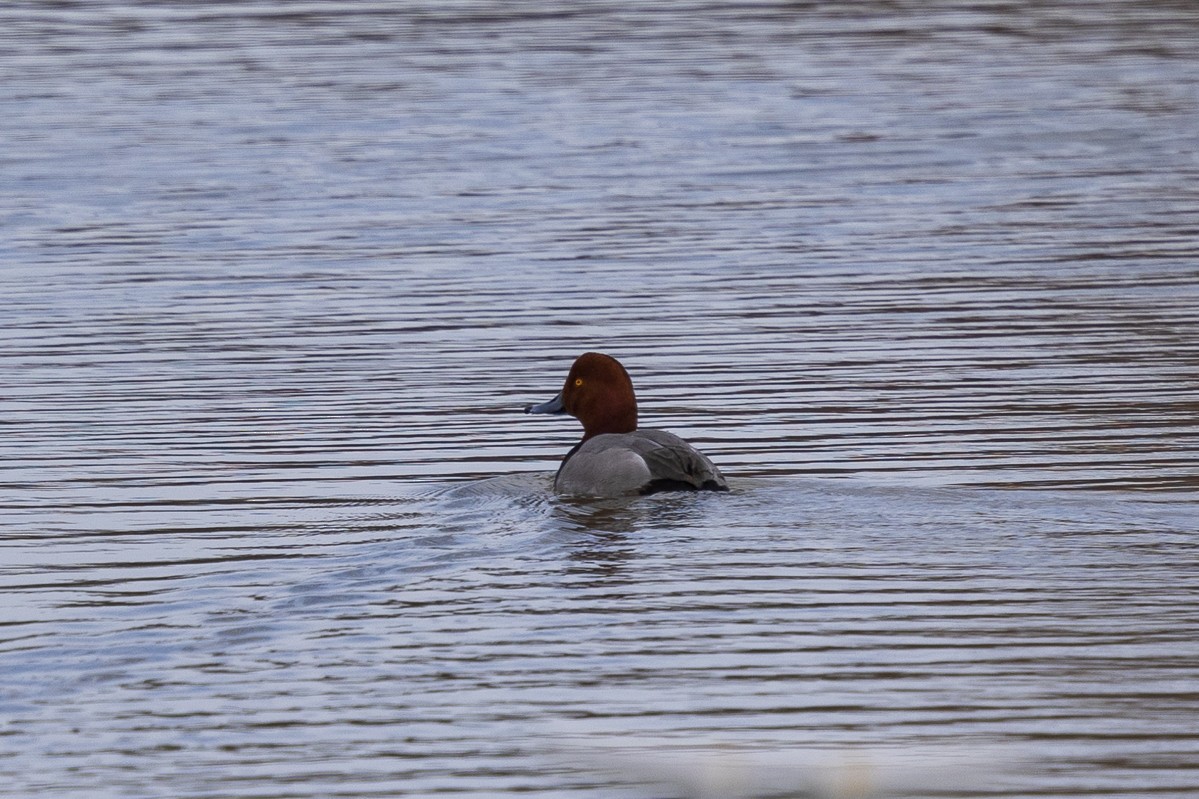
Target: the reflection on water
(278, 280)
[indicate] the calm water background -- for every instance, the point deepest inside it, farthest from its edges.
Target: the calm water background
(276, 279)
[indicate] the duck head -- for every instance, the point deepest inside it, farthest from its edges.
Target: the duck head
(599, 393)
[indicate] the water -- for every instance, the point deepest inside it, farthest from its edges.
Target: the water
(277, 281)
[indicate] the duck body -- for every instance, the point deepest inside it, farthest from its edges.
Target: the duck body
(645, 461)
(616, 458)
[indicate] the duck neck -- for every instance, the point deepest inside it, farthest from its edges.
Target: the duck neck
(617, 420)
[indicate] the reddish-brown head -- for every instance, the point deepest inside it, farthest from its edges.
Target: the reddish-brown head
(599, 393)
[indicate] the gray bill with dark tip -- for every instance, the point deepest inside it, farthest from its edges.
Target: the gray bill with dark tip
(553, 406)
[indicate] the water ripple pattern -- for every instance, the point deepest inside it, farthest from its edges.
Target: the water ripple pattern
(277, 279)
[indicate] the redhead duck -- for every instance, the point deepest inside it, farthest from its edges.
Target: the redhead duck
(615, 458)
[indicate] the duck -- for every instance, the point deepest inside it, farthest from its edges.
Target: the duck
(615, 457)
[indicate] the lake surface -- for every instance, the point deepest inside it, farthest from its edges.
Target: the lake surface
(277, 280)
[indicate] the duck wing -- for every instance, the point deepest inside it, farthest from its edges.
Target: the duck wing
(675, 465)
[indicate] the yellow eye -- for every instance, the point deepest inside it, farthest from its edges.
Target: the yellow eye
(578, 382)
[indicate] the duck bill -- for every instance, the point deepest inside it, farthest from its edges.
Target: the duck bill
(553, 406)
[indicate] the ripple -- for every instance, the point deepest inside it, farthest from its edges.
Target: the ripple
(278, 281)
